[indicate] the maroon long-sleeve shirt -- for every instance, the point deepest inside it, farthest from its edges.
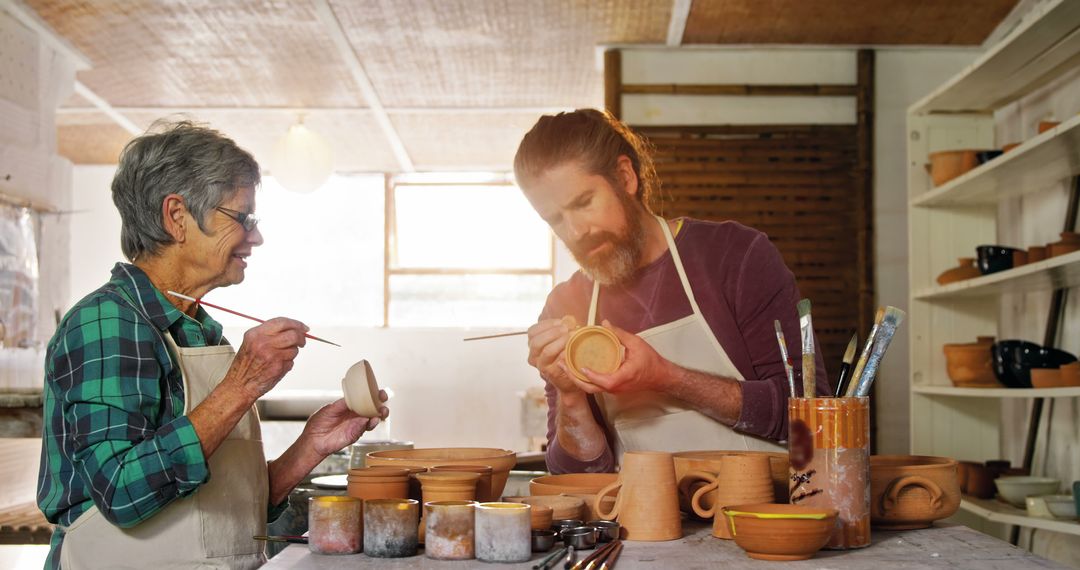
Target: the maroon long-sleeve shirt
(741, 285)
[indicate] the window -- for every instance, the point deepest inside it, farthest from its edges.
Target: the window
(322, 258)
(464, 253)
(419, 251)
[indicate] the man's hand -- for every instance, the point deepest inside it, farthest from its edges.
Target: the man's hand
(335, 426)
(642, 369)
(547, 348)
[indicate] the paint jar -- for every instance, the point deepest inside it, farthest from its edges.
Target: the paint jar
(450, 530)
(390, 527)
(503, 532)
(335, 524)
(829, 452)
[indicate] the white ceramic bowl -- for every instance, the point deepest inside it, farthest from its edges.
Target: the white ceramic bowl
(1016, 489)
(1061, 506)
(361, 390)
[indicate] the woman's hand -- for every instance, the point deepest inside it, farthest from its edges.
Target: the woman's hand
(335, 426)
(266, 354)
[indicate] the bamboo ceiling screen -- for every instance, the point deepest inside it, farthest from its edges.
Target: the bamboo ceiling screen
(798, 184)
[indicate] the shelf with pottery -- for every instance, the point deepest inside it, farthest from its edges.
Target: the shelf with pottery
(1062, 271)
(994, 510)
(1032, 166)
(1033, 54)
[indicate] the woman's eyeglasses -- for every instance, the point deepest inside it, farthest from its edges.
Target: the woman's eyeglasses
(248, 221)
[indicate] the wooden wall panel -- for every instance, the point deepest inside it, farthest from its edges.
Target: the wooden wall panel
(798, 184)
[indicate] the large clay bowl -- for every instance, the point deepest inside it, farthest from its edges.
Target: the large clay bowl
(500, 460)
(780, 532)
(572, 483)
(709, 461)
(912, 491)
(970, 365)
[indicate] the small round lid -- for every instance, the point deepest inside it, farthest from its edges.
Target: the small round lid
(361, 390)
(595, 348)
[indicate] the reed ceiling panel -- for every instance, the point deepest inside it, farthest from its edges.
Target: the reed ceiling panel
(204, 53)
(844, 22)
(447, 142)
(487, 53)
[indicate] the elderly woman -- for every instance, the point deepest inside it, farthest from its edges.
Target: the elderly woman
(152, 454)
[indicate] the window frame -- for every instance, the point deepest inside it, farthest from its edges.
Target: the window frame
(392, 182)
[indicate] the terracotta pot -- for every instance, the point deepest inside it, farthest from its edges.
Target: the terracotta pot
(978, 481)
(965, 270)
(647, 504)
(500, 460)
(1047, 125)
(1046, 378)
(446, 486)
(1020, 257)
(571, 483)
(709, 461)
(962, 476)
(1070, 374)
(780, 532)
(414, 483)
(1036, 253)
(563, 507)
(483, 485)
(367, 483)
(971, 365)
(946, 165)
(541, 517)
(912, 491)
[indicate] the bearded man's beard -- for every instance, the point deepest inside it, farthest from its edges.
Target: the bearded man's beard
(618, 263)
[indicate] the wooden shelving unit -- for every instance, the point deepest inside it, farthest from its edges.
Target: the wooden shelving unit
(949, 221)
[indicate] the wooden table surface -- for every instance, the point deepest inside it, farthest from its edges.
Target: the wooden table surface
(944, 546)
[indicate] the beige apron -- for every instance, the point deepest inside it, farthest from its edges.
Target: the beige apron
(213, 528)
(649, 421)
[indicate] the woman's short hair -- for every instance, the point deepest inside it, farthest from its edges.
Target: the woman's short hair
(593, 138)
(199, 164)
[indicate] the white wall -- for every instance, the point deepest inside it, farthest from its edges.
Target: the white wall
(902, 77)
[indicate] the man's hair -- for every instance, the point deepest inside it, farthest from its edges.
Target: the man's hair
(594, 139)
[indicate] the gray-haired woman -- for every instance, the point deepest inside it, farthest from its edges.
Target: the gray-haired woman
(152, 454)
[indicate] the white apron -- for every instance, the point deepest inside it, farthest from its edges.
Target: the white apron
(212, 528)
(649, 421)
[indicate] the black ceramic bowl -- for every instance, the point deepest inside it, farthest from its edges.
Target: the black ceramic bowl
(1014, 359)
(994, 258)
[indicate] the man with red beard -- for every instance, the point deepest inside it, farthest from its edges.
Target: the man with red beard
(692, 301)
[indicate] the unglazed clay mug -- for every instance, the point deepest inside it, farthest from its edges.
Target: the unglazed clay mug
(647, 504)
(742, 479)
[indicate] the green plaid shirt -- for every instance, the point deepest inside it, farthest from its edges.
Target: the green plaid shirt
(115, 431)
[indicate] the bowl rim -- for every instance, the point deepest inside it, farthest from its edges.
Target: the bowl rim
(930, 461)
(760, 511)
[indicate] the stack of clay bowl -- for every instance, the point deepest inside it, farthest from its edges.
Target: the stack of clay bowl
(500, 460)
(709, 461)
(378, 483)
(741, 479)
(582, 486)
(912, 491)
(971, 365)
(546, 508)
(483, 485)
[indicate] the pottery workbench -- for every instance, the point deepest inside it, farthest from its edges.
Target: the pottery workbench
(944, 546)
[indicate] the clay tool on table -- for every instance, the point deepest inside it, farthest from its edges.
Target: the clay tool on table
(893, 318)
(568, 320)
(569, 562)
(788, 369)
(845, 368)
(865, 354)
(809, 372)
(293, 539)
(239, 314)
